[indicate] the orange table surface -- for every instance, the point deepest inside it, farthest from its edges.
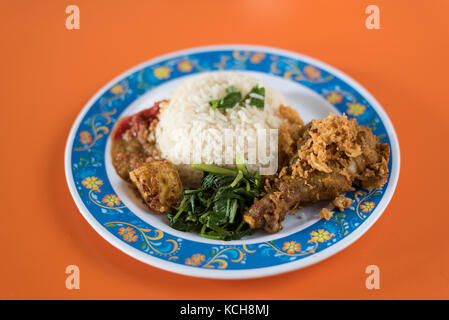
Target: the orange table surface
(48, 73)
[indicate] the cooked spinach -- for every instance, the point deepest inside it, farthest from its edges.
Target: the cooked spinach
(215, 210)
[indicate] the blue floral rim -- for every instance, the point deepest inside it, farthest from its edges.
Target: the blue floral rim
(88, 170)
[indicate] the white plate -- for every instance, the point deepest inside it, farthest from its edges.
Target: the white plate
(312, 87)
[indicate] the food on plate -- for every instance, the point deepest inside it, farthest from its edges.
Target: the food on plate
(192, 157)
(133, 140)
(341, 203)
(206, 108)
(330, 157)
(325, 213)
(158, 183)
(215, 209)
(288, 133)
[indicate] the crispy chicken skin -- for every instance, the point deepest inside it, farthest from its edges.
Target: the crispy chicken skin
(328, 158)
(289, 131)
(341, 203)
(158, 183)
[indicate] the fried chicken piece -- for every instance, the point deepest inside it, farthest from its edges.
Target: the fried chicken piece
(331, 156)
(290, 114)
(158, 183)
(288, 133)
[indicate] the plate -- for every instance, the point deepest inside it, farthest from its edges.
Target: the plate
(313, 88)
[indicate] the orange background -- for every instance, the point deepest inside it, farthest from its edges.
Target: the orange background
(48, 73)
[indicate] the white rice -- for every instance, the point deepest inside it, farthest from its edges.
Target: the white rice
(189, 130)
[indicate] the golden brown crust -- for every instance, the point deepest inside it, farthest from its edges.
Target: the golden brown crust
(341, 202)
(158, 183)
(326, 214)
(327, 145)
(328, 158)
(290, 114)
(288, 132)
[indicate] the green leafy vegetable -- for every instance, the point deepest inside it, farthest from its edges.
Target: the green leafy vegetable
(213, 169)
(215, 210)
(233, 97)
(231, 89)
(240, 164)
(256, 97)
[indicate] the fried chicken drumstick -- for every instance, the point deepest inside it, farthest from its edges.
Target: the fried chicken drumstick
(329, 158)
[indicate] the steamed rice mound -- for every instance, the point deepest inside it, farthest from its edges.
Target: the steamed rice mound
(190, 131)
